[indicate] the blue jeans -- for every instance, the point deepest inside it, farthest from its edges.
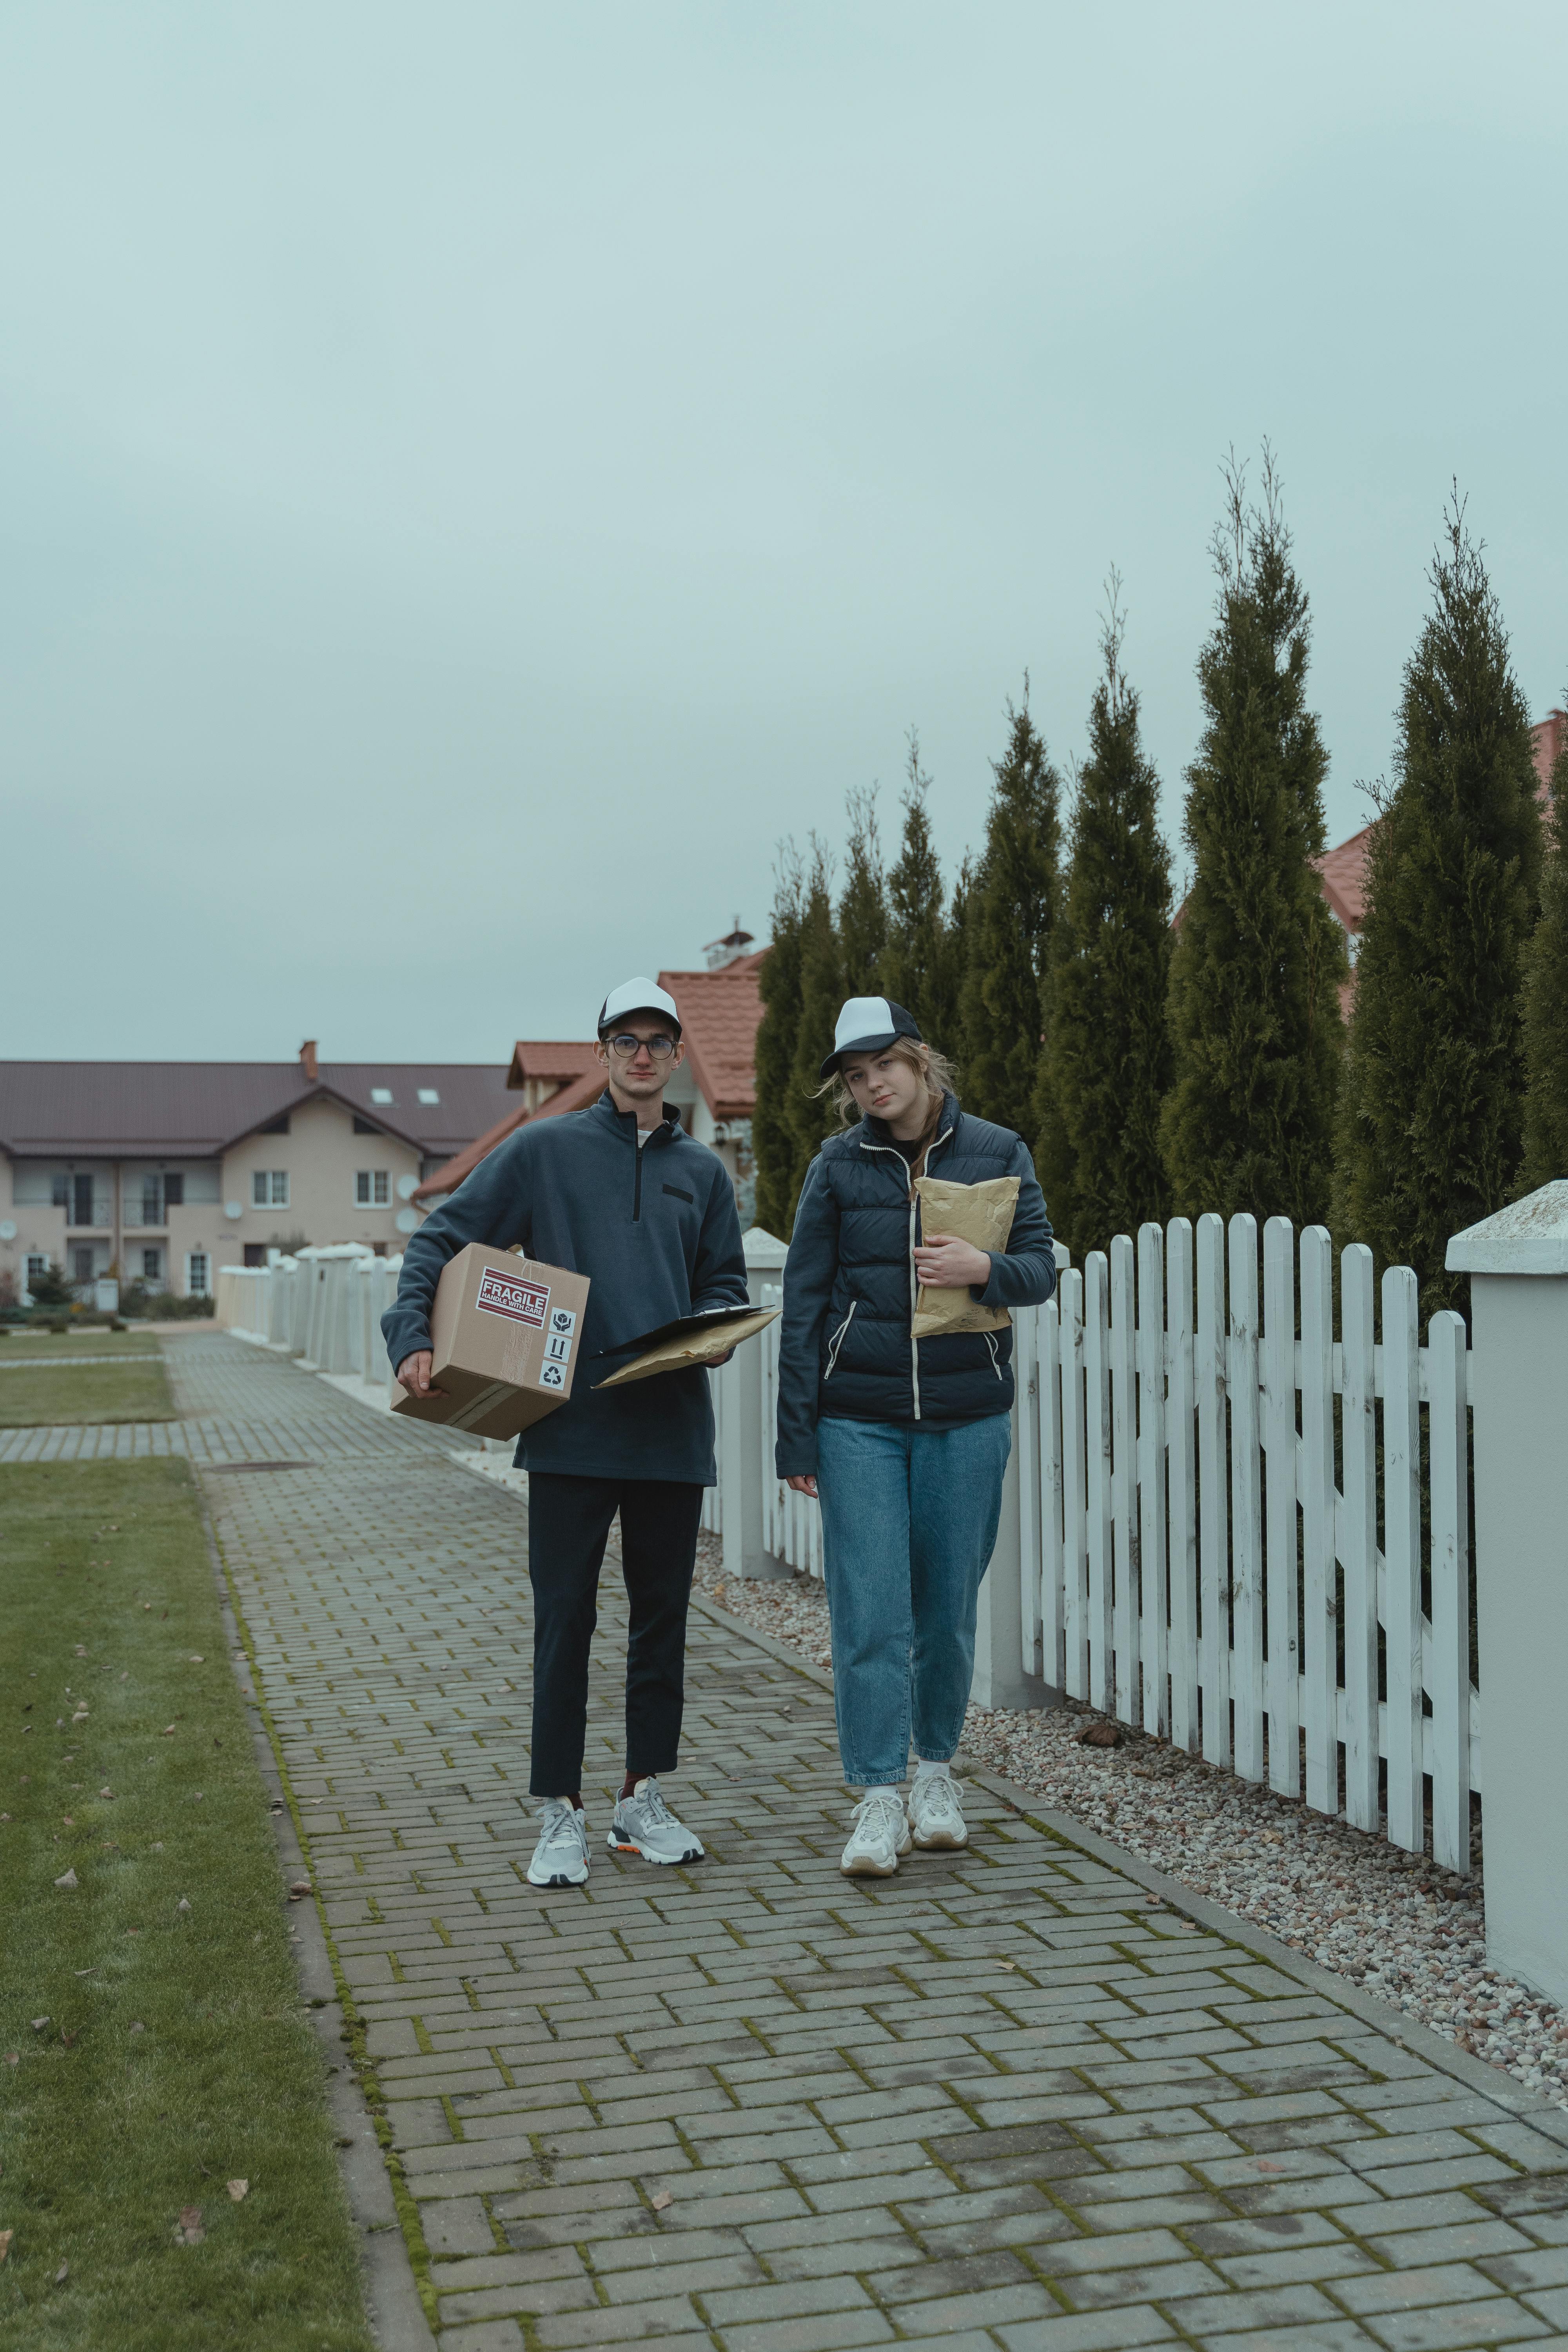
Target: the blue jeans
(909, 1523)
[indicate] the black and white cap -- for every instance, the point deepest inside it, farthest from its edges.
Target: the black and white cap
(639, 995)
(867, 1024)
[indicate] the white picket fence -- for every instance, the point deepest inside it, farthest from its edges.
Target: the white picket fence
(1200, 1492)
(1231, 1527)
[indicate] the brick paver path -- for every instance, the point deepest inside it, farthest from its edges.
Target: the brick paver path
(752, 2107)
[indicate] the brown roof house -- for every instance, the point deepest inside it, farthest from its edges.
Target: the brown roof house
(163, 1172)
(714, 1090)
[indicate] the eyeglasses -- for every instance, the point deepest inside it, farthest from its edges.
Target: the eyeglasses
(625, 1047)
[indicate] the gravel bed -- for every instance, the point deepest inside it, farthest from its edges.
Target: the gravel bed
(1393, 1922)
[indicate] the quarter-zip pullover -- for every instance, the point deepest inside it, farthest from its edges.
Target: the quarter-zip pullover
(654, 1228)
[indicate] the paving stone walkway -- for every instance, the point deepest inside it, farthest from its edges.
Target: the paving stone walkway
(1006, 2099)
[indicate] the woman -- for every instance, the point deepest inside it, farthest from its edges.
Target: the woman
(903, 1440)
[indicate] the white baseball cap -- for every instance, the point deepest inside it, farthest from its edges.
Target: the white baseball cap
(865, 1025)
(639, 995)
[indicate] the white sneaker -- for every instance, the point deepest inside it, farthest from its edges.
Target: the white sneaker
(643, 1825)
(936, 1812)
(561, 1857)
(880, 1836)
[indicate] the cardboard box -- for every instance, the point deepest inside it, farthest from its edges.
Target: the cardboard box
(504, 1334)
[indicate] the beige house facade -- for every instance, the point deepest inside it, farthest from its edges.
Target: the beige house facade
(158, 1174)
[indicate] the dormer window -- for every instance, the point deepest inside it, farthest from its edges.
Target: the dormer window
(428, 1095)
(381, 1094)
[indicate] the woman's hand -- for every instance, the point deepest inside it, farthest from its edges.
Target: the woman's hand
(943, 1262)
(806, 1485)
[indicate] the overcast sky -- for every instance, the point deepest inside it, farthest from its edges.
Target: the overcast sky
(473, 477)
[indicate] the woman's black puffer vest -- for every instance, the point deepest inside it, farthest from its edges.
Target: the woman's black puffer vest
(850, 1286)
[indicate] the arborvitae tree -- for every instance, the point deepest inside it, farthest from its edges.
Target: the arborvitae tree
(1011, 909)
(821, 991)
(1107, 1064)
(1431, 1138)
(921, 962)
(1258, 959)
(863, 903)
(778, 983)
(1546, 1003)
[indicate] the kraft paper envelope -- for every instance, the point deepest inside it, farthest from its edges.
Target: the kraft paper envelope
(981, 1213)
(700, 1346)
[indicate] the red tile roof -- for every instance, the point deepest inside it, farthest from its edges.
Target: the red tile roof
(549, 1057)
(719, 1014)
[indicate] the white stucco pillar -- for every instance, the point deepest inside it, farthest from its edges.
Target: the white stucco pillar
(1518, 1266)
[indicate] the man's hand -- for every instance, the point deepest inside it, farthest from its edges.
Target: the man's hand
(413, 1373)
(806, 1485)
(943, 1262)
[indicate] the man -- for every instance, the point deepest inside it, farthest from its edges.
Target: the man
(621, 1193)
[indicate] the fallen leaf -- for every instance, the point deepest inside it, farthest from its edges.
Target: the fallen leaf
(157, 1846)
(197, 1659)
(67, 1879)
(167, 1732)
(1011, 1966)
(664, 2197)
(188, 2230)
(67, 1822)
(1100, 1734)
(38, 2023)
(80, 1650)
(85, 1972)
(5, 2235)
(301, 1886)
(68, 2040)
(1265, 2164)
(147, 1605)
(106, 1792)
(184, 1903)
(13, 2057)
(237, 2189)
(63, 2274)
(138, 2027)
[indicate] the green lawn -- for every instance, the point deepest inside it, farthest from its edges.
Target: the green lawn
(48, 1394)
(59, 1347)
(174, 2054)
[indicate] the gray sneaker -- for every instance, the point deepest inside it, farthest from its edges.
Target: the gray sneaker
(643, 1825)
(561, 1857)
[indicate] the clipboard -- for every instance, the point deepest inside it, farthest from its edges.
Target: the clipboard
(690, 1340)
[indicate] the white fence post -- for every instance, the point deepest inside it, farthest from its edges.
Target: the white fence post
(1518, 1266)
(745, 1437)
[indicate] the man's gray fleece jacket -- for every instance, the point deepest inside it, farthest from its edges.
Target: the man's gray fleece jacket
(656, 1234)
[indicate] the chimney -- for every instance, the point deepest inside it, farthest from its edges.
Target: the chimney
(307, 1060)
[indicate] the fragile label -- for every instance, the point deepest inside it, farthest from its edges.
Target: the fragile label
(519, 1302)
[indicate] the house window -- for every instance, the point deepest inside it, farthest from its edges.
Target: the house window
(152, 1262)
(372, 1188)
(365, 1126)
(83, 1260)
(152, 1201)
(81, 1202)
(270, 1188)
(175, 1190)
(59, 1190)
(428, 1095)
(381, 1094)
(197, 1274)
(38, 1267)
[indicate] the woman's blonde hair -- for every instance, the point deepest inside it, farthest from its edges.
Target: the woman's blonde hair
(940, 1074)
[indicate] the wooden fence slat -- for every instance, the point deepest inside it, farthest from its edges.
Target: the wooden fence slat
(1451, 1687)
(1245, 1501)
(1277, 1376)
(1214, 1501)
(1052, 1565)
(1025, 1380)
(1180, 1468)
(1358, 1428)
(1153, 1640)
(1316, 1482)
(1074, 1490)
(1097, 1469)
(1402, 1556)
(1123, 1481)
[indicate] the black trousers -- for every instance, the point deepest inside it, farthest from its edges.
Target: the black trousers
(569, 1522)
